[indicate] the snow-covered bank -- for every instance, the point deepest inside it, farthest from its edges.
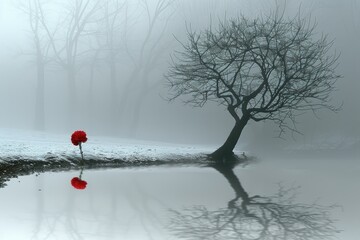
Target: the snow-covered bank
(33, 145)
(24, 152)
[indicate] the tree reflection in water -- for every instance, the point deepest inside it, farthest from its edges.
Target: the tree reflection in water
(276, 217)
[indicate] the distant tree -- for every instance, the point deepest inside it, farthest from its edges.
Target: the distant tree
(145, 56)
(131, 34)
(67, 37)
(40, 52)
(267, 68)
(114, 12)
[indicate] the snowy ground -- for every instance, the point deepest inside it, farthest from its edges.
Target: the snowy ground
(24, 152)
(32, 145)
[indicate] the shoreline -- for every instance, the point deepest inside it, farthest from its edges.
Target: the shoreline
(13, 168)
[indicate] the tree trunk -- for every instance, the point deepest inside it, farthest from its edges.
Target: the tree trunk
(114, 103)
(72, 112)
(40, 95)
(134, 126)
(90, 101)
(226, 150)
(139, 101)
(72, 101)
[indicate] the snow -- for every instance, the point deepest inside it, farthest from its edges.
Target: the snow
(35, 145)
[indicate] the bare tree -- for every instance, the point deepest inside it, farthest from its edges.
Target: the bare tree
(114, 12)
(267, 68)
(151, 48)
(254, 217)
(93, 68)
(41, 46)
(77, 20)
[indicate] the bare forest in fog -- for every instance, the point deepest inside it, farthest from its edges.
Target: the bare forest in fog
(100, 65)
(105, 54)
(179, 119)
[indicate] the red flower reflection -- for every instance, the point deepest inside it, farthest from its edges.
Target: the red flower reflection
(78, 183)
(78, 137)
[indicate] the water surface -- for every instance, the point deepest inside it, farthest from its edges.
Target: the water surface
(272, 199)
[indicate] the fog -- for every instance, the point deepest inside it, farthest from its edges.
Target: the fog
(117, 66)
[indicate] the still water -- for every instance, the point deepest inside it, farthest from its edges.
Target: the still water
(291, 199)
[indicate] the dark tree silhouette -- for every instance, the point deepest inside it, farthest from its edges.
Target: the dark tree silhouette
(114, 13)
(150, 47)
(40, 52)
(75, 24)
(254, 217)
(268, 68)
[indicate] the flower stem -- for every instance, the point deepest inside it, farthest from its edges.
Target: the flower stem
(82, 155)
(81, 172)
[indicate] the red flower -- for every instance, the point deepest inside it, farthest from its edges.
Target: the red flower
(78, 183)
(78, 137)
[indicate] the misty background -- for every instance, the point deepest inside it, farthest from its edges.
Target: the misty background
(112, 81)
